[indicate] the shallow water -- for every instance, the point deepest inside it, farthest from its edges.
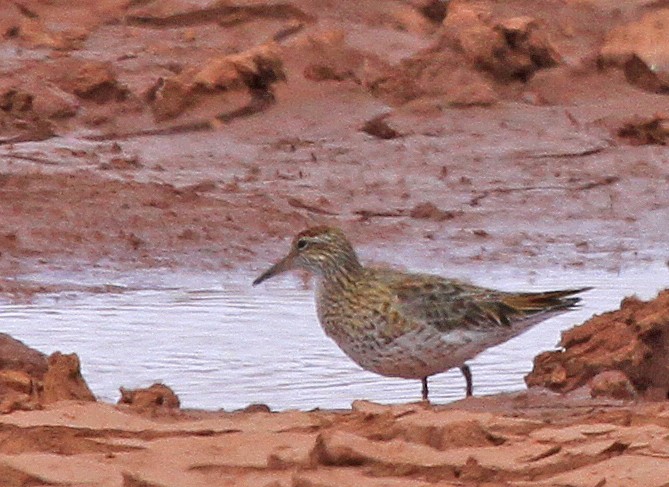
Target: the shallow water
(220, 343)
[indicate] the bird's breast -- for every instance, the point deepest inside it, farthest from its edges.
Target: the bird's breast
(361, 314)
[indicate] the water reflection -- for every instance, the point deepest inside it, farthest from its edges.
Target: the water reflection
(221, 344)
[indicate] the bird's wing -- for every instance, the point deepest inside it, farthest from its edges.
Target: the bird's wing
(450, 304)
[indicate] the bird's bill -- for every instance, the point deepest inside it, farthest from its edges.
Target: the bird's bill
(283, 265)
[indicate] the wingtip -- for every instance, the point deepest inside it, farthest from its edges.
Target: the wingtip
(575, 302)
(572, 303)
(579, 290)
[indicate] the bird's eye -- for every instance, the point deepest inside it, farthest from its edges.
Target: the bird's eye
(301, 243)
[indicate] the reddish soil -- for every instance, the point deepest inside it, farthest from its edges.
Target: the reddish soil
(202, 135)
(519, 440)
(498, 141)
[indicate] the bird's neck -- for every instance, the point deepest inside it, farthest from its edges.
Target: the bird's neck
(341, 271)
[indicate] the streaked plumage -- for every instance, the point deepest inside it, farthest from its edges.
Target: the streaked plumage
(409, 325)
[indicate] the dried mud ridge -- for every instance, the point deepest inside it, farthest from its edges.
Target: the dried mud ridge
(518, 441)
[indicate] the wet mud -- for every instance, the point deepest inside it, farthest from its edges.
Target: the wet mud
(477, 132)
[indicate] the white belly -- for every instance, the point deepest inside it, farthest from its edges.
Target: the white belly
(424, 351)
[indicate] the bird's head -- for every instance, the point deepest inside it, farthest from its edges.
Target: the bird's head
(324, 251)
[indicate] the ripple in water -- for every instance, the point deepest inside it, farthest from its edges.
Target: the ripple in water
(221, 344)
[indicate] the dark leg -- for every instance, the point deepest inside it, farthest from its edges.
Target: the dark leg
(425, 391)
(466, 371)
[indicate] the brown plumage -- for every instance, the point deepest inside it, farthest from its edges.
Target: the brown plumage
(404, 324)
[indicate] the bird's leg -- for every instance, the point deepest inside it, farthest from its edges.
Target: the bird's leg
(466, 371)
(425, 391)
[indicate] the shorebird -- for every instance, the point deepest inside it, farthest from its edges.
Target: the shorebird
(410, 325)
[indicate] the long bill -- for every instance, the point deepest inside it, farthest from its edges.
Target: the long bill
(283, 265)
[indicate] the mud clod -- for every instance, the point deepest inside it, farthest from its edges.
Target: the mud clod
(631, 343)
(156, 397)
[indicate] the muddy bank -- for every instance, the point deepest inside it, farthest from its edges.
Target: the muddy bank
(478, 133)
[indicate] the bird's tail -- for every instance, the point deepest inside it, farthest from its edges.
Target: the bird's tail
(530, 303)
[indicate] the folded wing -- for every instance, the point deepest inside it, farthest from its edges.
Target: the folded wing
(449, 304)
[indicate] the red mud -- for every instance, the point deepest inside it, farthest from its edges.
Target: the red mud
(266, 135)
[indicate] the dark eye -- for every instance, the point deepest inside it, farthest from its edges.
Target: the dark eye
(301, 243)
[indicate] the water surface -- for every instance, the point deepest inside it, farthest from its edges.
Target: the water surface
(220, 343)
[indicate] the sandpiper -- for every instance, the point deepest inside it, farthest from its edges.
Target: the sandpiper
(409, 325)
